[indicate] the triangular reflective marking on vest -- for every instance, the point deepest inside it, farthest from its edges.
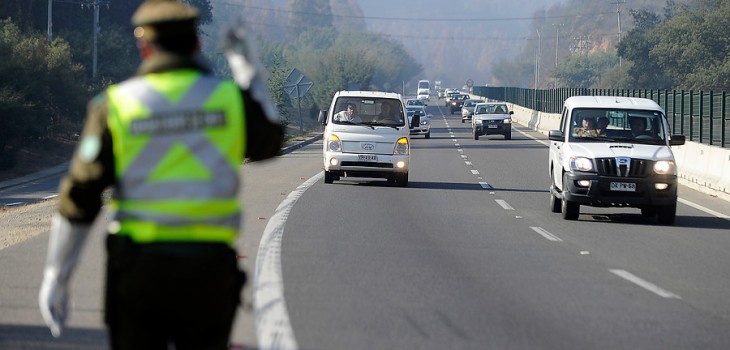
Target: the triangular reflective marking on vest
(179, 164)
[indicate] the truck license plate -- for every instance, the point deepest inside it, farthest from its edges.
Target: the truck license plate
(623, 186)
(367, 157)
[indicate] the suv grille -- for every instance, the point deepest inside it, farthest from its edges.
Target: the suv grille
(624, 167)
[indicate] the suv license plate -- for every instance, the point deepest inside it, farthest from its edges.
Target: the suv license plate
(367, 157)
(623, 186)
(492, 126)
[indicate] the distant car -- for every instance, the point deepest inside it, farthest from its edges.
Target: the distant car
(457, 101)
(424, 96)
(492, 118)
(425, 126)
(450, 95)
(415, 102)
(467, 110)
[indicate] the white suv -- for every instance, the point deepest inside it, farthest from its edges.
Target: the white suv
(613, 152)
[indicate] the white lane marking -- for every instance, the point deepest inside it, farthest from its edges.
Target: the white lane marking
(706, 210)
(532, 137)
(467, 163)
(273, 328)
(644, 284)
(485, 185)
(455, 140)
(457, 144)
(502, 203)
(546, 234)
(13, 204)
(475, 172)
(464, 156)
(51, 196)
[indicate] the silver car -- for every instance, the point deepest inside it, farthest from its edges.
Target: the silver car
(467, 110)
(492, 118)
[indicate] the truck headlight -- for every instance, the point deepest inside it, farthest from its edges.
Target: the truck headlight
(581, 164)
(664, 167)
(334, 144)
(401, 147)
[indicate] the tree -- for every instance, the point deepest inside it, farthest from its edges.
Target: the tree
(644, 72)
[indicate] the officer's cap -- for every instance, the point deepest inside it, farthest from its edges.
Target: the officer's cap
(161, 18)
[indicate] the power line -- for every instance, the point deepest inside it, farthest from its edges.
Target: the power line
(419, 19)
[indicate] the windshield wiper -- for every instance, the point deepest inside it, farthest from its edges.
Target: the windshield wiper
(373, 124)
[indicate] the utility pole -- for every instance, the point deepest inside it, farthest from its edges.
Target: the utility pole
(537, 58)
(96, 36)
(557, 45)
(618, 15)
(50, 21)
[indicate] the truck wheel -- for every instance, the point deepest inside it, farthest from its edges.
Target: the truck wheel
(648, 212)
(555, 203)
(570, 210)
(401, 180)
(328, 177)
(666, 214)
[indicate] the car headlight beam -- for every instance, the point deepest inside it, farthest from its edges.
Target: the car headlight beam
(581, 164)
(664, 167)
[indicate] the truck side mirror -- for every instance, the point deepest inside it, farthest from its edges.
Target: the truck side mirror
(677, 140)
(415, 121)
(555, 135)
(322, 117)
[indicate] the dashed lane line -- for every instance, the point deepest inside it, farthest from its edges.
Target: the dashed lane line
(645, 284)
(549, 236)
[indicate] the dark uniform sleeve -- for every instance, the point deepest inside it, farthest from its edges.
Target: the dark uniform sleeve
(264, 138)
(92, 167)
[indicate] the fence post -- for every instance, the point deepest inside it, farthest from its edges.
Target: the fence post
(712, 105)
(691, 114)
(700, 109)
(723, 115)
(681, 113)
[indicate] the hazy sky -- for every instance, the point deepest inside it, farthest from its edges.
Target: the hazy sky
(455, 40)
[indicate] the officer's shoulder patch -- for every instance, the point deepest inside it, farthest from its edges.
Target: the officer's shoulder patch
(89, 148)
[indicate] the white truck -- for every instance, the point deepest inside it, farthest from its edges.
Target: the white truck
(367, 135)
(613, 151)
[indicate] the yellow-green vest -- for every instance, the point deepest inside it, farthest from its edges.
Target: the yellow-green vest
(178, 145)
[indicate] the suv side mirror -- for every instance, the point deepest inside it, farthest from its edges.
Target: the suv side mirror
(555, 135)
(677, 140)
(322, 117)
(415, 121)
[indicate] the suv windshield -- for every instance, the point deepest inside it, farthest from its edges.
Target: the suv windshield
(369, 111)
(641, 126)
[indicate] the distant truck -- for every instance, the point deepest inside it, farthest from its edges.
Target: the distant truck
(424, 87)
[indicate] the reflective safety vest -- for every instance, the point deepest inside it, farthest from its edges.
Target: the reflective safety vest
(178, 145)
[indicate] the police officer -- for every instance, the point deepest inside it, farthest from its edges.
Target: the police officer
(171, 141)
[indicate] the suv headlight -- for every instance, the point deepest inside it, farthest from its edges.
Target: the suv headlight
(508, 121)
(401, 147)
(665, 167)
(334, 144)
(581, 164)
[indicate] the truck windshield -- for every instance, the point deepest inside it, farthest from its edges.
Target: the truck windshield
(369, 111)
(614, 125)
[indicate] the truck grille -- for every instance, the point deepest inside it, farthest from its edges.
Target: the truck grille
(624, 167)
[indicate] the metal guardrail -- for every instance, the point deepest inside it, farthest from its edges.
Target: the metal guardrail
(702, 117)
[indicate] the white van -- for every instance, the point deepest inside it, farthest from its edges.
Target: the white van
(366, 135)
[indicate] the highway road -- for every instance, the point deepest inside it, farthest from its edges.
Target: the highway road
(468, 256)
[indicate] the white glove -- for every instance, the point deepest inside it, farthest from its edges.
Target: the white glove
(64, 247)
(246, 68)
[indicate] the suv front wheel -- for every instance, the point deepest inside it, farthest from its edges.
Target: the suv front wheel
(570, 210)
